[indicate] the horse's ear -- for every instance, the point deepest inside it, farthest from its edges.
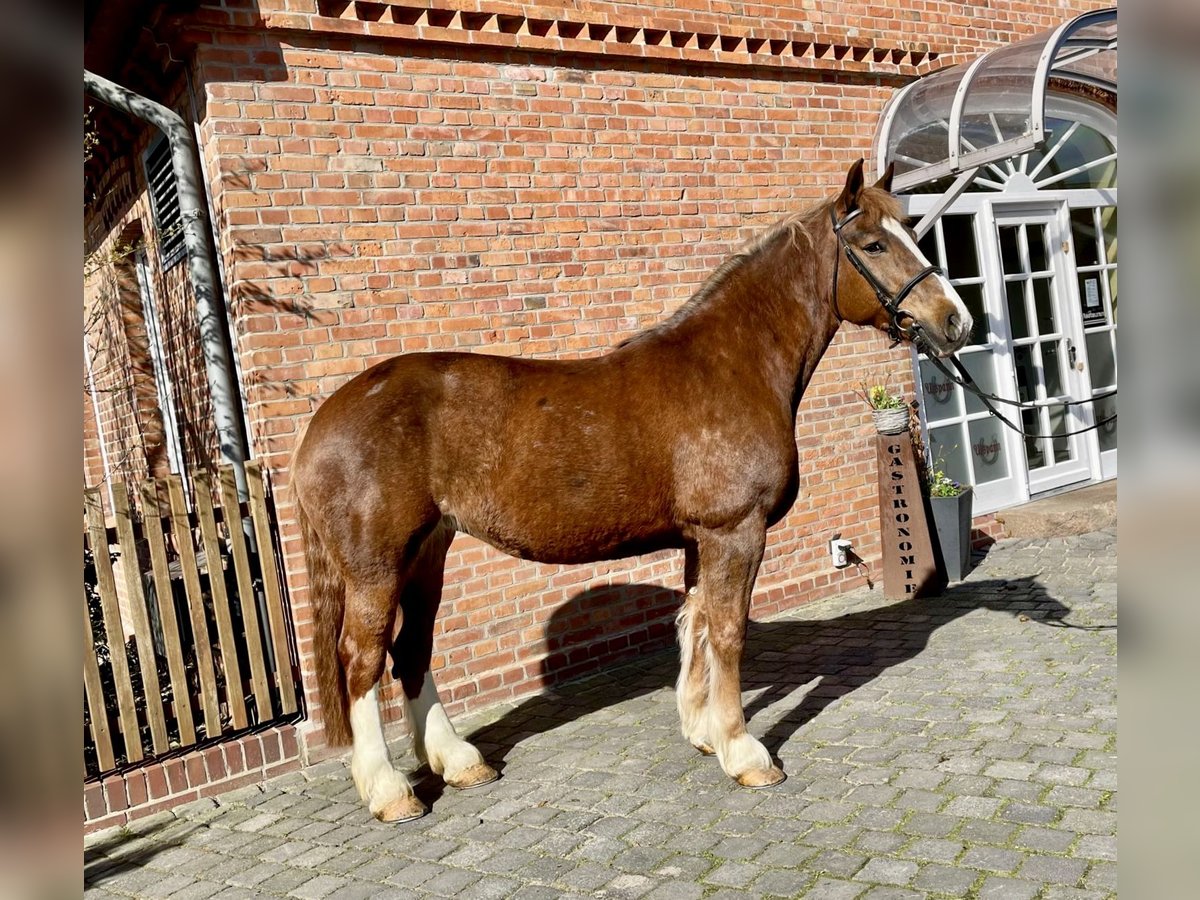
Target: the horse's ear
(885, 183)
(847, 201)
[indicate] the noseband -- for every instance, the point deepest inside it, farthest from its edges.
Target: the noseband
(889, 301)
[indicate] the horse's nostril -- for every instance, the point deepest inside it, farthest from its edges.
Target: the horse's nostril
(953, 326)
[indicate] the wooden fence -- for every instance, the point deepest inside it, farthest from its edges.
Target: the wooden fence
(186, 634)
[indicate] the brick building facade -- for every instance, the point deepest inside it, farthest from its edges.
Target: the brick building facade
(537, 179)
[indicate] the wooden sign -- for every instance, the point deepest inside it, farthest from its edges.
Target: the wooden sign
(909, 566)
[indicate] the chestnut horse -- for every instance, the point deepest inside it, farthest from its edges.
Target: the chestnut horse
(682, 437)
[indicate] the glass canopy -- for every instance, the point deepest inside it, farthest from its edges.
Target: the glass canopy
(993, 107)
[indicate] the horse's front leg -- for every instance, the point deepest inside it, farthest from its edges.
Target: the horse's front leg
(728, 564)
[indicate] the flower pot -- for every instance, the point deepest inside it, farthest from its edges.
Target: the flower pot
(890, 421)
(952, 524)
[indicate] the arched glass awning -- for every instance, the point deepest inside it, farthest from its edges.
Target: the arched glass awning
(963, 117)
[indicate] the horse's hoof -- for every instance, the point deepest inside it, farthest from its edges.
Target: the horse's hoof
(704, 748)
(761, 778)
(402, 809)
(473, 776)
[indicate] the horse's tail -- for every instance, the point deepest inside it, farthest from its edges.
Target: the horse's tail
(328, 591)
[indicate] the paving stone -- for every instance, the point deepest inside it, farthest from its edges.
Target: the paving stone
(833, 889)
(933, 849)
(782, 882)
(836, 863)
(734, 874)
(995, 888)
(992, 859)
(891, 893)
(1097, 846)
(972, 807)
(1047, 840)
(976, 831)
(676, 890)
(877, 842)
(1101, 876)
(887, 871)
(1053, 869)
(1089, 821)
(1031, 814)
(945, 879)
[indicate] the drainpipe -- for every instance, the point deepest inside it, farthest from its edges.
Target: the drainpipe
(214, 338)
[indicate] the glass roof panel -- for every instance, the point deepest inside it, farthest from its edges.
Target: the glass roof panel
(994, 106)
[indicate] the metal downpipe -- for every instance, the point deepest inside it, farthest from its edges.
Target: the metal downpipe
(214, 339)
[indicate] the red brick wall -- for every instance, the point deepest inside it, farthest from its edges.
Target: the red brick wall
(545, 196)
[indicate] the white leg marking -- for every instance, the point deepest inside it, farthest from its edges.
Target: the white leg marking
(738, 753)
(378, 783)
(895, 229)
(693, 711)
(434, 737)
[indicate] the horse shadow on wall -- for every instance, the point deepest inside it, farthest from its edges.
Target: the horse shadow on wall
(846, 652)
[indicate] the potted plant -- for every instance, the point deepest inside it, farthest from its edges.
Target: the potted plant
(950, 503)
(889, 411)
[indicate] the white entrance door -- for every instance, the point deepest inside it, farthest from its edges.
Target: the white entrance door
(1033, 274)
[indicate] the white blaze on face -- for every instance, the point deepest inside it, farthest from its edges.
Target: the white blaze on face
(894, 228)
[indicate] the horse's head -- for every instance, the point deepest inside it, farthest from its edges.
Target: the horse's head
(879, 265)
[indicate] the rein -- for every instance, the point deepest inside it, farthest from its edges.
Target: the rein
(915, 332)
(968, 383)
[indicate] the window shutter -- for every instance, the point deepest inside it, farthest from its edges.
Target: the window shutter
(164, 198)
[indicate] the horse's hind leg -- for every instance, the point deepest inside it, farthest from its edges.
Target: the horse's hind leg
(434, 739)
(366, 627)
(691, 689)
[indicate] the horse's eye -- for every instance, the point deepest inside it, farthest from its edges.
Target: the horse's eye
(874, 248)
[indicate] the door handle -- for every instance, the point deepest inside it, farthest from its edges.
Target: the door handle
(1073, 356)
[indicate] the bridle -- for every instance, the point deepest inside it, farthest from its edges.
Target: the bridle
(889, 301)
(915, 332)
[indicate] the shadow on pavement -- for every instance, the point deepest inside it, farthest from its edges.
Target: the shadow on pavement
(118, 854)
(847, 651)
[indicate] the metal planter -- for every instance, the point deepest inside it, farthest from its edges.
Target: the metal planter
(952, 525)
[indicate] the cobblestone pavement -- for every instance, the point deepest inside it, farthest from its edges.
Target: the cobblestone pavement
(962, 746)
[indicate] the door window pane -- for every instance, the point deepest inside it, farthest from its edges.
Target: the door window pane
(1112, 293)
(1052, 368)
(1108, 220)
(983, 370)
(1031, 423)
(972, 298)
(928, 246)
(1101, 359)
(1010, 254)
(1083, 231)
(946, 447)
(941, 394)
(1043, 306)
(1060, 418)
(1091, 301)
(1038, 254)
(962, 261)
(1018, 322)
(1106, 409)
(987, 450)
(1026, 375)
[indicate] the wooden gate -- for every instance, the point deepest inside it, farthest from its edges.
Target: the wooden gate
(186, 632)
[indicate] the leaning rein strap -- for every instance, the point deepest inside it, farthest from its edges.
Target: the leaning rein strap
(968, 383)
(891, 305)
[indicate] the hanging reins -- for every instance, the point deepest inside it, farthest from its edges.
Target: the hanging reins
(915, 332)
